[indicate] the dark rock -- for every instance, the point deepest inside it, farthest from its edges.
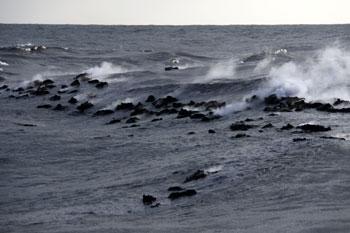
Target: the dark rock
(59, 107)
(47, 82)
(72, 100)
(272, 100)
(185, 113)
(186, 193)
(211, 131)
(240, 126)
(132, 120)
(84, 106)
(114, 121)
(155, 205)
(46, 106)
(73, 91)
(199, 174)
(191, 133)
(138, 110)
(269, 125)
(169, 68)
(310, 128)
(94, 81)
(340, 101)
(241, 135)
(82, 76)
(178, 105)
(75, 83)
(299, 139)
(334, 138)
(55, 98)
(3, 87)
(197, 116)
(163, 102)
(125, 106)
(63, 86)
(103, 112)
(101, 85)
(287, 127)
(19, 89)
(148, 199)
(175, 189)
(167, 111)
(150, 99)
(156, 119)
(213, 104)
(41, 91)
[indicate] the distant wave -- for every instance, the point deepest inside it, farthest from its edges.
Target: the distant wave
(2, 63)
(29, 47)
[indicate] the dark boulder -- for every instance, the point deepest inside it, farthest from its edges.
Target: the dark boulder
(272, 100)
(41, 91)
(103, 112)
(46, 106)
(93, 81)
(299, 139)
(84, 106)
(269, 125)
(114, 121)
(175, 189)
(59, 107)
(55, 98)
(310, 128)
(125, 106)
(340, 101)
(197, 116)
(3, 87)
(132, 120)
(139, 109)
(63, 86)
(72, 100)
(287, 127)
(185, 113)
(213, 104)
(156, 119)
(185, 193)
(148, 199)
(163, 102)
(199, 174)
(75, 83)
(150, 99)
(101, 85)
(47, 82)
(211, 131)
(82, 76)
(240, 126)
(241, 135)
(169, 68)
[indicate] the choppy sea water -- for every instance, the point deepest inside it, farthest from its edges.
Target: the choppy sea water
(69, 171)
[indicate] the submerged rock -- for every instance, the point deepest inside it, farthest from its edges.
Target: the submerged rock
(241, 135)
(211, 131)
(114, 121)
(175, 189)
(163, 102)
(185, 193)
(269, 125)
(199, 174)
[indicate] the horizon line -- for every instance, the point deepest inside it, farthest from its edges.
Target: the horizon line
(175, 25)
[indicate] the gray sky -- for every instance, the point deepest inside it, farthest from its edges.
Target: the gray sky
(175, 11)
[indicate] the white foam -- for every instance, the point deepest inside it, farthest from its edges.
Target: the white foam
(323, 77)
(232, 108)
(221, 70)
(106, 69)
(2, 63)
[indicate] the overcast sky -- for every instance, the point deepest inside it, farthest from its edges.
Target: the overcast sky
(175, 11)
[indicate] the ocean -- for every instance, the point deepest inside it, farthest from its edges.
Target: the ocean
(228, 128)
